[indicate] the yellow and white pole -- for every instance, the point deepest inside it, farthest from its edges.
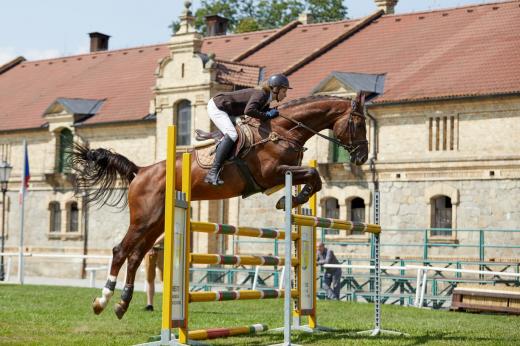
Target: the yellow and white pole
(168, 236)
(313, 205)
(186, 189)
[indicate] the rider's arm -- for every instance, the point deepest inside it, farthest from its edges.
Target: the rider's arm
(256, 105)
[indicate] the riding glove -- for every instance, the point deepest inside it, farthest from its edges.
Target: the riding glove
(271, 113)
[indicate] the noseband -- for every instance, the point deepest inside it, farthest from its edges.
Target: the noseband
(353, 146)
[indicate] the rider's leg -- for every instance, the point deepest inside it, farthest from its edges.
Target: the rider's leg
(224, 124)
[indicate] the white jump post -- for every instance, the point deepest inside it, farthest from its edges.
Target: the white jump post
(377, 278)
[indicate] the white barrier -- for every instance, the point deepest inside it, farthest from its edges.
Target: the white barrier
(91, 270)
(422, 275)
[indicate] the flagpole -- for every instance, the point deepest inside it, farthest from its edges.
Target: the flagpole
(22, 210)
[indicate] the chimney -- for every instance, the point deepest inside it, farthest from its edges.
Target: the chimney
(216, 25)
(98, 42)
(386, 5)
(306, 18)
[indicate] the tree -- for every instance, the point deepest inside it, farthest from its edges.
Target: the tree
(327, 10)
(247, 24)
(225, 8)
(253, 15)
(276, 13)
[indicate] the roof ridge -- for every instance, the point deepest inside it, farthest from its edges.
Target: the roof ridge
(330, 23)
(358, 26)
(236, 63)
(278, 33)
(10, 64)
(451, 8)
(97, 53)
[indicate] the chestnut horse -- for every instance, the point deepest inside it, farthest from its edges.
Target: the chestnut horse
(99, 171)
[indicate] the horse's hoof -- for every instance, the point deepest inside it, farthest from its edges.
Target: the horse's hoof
(119, 310)
(97, 307)
(281, 203)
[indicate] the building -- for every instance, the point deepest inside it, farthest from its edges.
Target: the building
(443, 134)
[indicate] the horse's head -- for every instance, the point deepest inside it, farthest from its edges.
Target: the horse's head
(350, 128)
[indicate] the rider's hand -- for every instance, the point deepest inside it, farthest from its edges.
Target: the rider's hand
(272, 113)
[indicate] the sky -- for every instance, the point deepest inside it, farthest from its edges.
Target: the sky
(39, 29)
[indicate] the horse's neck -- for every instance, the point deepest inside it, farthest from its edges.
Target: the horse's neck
(317, 119)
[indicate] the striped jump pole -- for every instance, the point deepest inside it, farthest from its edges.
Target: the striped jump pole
(214, 333)
(240, 259)
(306, 220)
(221, 296)
(258, 232)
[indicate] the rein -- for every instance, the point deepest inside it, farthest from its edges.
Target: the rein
(349, 147)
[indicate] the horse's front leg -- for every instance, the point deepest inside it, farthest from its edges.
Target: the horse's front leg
(301, 175)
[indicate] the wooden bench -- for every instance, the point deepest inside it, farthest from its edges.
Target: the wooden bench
(487, 299)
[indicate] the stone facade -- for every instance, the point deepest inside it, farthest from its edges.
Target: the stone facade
(465, 149)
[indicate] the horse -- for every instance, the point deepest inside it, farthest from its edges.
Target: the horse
(278, 148)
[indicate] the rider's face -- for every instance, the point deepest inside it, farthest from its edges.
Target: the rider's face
(282, 93)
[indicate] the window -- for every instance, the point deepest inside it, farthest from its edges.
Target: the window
(184, 123)
(55, 217)
(331, 210)
(441, 133)
(72, 217)
(64, 148)
(357, 208)
(441, 216)
(339, 154)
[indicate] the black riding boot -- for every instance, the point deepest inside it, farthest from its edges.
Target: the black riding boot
(223, 150)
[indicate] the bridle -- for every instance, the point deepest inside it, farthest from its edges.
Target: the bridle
(352, 146)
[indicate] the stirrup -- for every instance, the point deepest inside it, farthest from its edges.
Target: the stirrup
(214, 179)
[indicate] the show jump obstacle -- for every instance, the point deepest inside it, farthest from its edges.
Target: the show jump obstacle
(178, 258)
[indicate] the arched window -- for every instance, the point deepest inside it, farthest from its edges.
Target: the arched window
(184, 123)
(72, 217)
(55, 217)
(357, 211)
(331, 210)
(441, 216)
(64, 147)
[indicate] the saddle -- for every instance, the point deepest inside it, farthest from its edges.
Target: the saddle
(206, 154)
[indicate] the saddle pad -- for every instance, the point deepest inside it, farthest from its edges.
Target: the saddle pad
(206, 154)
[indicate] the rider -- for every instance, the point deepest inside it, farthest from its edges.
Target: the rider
(253, 102)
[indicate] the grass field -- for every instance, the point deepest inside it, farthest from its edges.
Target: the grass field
(43, 315)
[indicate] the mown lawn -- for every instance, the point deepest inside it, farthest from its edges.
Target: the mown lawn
(44, 315)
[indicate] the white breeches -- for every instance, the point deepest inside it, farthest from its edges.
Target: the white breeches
(222, 121)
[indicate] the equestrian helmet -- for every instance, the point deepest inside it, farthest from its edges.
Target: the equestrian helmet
(278, 80)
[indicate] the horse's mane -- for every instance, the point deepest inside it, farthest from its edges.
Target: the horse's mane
(307, 99)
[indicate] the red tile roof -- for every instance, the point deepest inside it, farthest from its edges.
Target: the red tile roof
(228, 47)
(466, 51)
(296, 44)
(238, 73)
(123, 77)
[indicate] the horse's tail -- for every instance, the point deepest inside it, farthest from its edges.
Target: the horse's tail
(96, 174)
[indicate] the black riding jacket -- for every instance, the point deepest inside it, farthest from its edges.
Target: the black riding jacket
(251, 102)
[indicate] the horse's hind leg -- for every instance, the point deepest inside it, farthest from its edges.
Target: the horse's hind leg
(119, 255)
(134, 260)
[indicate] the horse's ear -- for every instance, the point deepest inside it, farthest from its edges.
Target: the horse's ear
(361, 97)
